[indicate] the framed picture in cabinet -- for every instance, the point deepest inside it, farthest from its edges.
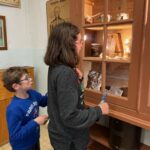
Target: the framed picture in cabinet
(3, 36)
(12, 3)
(57, 12)
(114, 47)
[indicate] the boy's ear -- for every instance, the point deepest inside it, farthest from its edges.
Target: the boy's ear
(15, 86)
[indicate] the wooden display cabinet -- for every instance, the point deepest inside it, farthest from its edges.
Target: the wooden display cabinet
(5, 99)
(112, 51)
(116, 48)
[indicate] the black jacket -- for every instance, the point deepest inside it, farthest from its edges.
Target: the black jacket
(69, 120)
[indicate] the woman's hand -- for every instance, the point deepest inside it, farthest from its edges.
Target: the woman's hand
(104, 107)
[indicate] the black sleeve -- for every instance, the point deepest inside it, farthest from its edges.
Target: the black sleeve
(67, 92)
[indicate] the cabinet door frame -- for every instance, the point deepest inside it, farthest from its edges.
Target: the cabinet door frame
(144, 89)
(134, 69)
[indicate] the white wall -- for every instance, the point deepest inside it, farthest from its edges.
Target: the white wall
(27, 40)
(38, 34)
(19, 49)
(145, 137)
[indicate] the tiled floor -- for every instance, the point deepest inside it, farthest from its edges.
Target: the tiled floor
(44, 141)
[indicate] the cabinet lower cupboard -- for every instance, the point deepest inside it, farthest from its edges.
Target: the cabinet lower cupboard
(115, 60)
(100, 137)
(5, 98)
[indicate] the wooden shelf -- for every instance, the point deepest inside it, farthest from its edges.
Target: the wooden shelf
(119, 27)
(93, 25)
(93, 91)
(129, 21)
(97, 146)
(119, 60)
(100, 135)
(97, 94)
(111, 96)
(97, 59)
(111, 27)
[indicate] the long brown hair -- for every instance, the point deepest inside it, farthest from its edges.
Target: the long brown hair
(61, 45)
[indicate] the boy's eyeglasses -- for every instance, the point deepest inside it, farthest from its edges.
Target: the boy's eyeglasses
(27, 77)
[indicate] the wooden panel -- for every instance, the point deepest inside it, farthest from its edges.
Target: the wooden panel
(145, 70)
(1, 120)
(5, 130)
(92, 93)
(4, 103)
(124, 114)
(136, 53)
(91, 100)
(76, 16)
(4, 93)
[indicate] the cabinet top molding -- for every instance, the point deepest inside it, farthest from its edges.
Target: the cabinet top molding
(12, 3)
(55, 1)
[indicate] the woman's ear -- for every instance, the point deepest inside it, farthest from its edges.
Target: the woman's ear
(15, 86)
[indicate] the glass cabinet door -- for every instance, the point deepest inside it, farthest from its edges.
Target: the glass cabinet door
(94, 11)
(119, 10)
(112, 47)
(117, 75)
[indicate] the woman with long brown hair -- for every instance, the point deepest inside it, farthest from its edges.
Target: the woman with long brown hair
(69, 119)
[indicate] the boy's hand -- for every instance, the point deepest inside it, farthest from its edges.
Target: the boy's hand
(41, 119)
